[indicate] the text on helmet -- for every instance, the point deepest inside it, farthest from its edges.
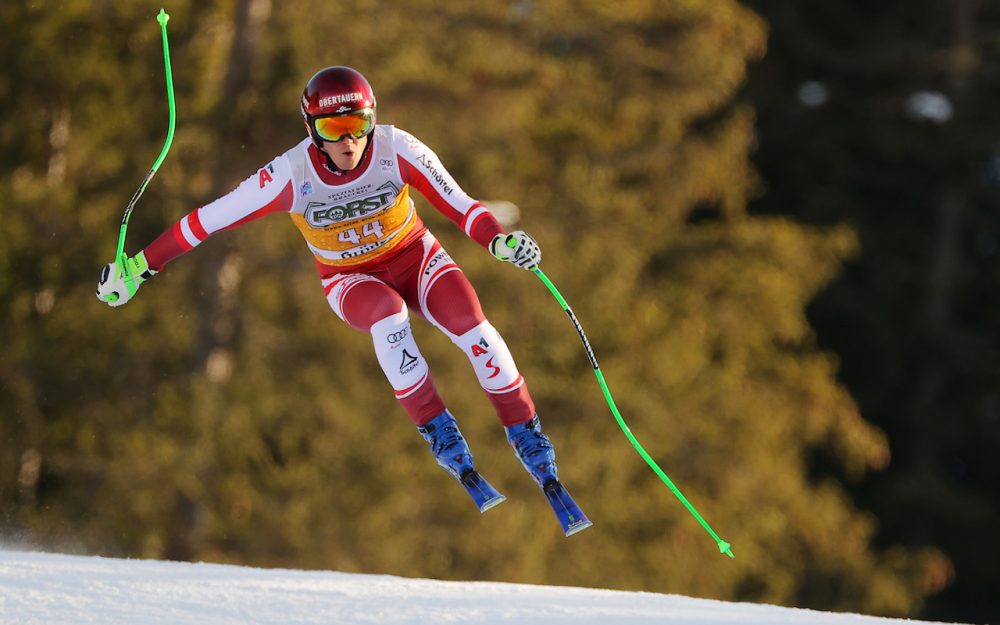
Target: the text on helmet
(341, 98)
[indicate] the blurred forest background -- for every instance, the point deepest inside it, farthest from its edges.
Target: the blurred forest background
(777, 224)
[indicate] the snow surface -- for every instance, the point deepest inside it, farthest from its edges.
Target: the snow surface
(42, 588)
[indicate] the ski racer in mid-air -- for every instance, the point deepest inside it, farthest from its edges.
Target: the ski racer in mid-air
(347, 188)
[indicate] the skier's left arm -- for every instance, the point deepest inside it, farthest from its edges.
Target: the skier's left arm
(421, 168)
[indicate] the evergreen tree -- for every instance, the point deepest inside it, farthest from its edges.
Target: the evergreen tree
(896, 135)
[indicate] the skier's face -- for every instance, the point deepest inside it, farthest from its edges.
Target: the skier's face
(346, 153)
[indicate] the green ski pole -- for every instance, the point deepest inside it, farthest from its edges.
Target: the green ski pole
(120, 256)
(724, 547)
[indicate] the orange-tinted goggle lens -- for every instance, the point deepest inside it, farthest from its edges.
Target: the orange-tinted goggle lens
(355, 124)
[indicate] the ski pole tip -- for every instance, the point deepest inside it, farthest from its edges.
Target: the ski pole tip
(162, 17)
(726, 548)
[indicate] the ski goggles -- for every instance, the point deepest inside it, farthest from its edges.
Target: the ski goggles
(355, 124)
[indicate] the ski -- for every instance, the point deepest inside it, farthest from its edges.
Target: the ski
(481, 491)
(570, 515)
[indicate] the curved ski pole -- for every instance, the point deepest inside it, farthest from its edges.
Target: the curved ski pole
(120, 256)
(724, 547)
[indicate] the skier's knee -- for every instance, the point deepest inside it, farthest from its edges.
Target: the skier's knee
(391, 329)
(490, 358)
(398, 354)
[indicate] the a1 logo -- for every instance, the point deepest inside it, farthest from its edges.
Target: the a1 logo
(478, 348)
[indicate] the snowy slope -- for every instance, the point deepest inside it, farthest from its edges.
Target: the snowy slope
(50, 589)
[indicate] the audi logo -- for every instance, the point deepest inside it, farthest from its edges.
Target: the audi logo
(396, 337)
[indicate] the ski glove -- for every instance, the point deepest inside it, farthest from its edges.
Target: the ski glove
(113, 288)
(518, 248)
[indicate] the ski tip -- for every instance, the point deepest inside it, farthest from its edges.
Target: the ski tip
(577, 527)
(162, 17)
(726, 548)
(492, 503)
(481, 491)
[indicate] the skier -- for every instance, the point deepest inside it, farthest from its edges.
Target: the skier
(347, 189)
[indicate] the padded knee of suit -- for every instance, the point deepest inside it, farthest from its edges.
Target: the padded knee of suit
(398, 354)
(490, 358)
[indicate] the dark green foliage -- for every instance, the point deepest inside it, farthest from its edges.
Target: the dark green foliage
(914, 316)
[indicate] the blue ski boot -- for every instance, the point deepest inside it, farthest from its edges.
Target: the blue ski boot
(535, 451)
(447, 444)
(453, 454)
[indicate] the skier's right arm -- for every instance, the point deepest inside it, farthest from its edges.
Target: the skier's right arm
(267, 191)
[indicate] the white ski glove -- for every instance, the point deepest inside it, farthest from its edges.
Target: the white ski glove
(518, 248)
(113, 289)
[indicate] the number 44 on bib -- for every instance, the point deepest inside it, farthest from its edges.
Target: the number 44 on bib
(368, 231)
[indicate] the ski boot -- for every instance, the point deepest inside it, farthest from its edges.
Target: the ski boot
(536, 453)
(453, 454)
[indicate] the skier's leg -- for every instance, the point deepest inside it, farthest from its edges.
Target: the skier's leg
(369, 305)
(449, 301)
(495, 368)
(446, 299)
(498, 375)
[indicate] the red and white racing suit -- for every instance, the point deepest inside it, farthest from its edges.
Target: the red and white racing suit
(377, 260)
